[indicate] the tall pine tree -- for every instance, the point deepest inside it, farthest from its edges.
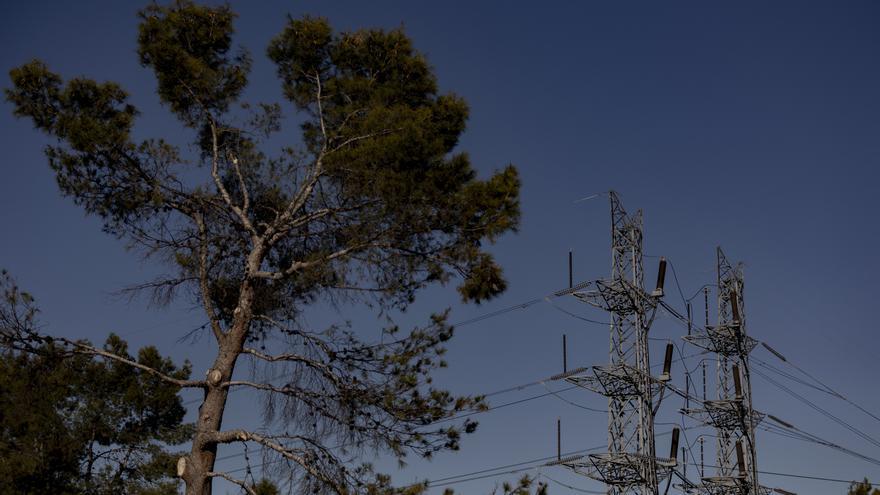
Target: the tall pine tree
(371, 205)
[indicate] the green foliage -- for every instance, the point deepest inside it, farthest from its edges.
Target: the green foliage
(265, 487)
(71, 424)
(94, 121)
(863, 488)
(396, 137)
(188, 47)
(523, 486)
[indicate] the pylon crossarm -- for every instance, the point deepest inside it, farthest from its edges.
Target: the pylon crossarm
(619, 296)
(621, 469)
(687, 486)
(618, 380)
(724, 414)
(591, 297)
(723, 340)
(575, 289)
(587, 381)
(615, 380)
(727, 485)
(565, 461)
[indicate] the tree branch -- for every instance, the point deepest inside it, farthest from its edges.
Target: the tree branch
(318, 169)
(245, 196)
(244, 486)
(218, 182)
(203, 279)
(301, 265)
(231, 436)
(355, 139)
(326, 370)
(88, 349)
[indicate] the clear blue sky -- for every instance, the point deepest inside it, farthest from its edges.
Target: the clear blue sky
(753, 125)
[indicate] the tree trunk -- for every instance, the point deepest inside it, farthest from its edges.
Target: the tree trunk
(203, 454)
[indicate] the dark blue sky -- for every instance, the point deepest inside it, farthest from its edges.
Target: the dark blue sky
(753, 125)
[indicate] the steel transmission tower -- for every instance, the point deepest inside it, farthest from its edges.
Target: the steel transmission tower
(731, 414)
(630, 466)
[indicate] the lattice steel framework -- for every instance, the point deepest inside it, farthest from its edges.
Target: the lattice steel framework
(732, 414)
(630, 466)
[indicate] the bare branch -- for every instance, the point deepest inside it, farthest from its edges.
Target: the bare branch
(83, 348)
(270, 443)
(320, 105)
(203, 279)
(218, 182)
(301, 265)
(245, 196)
(383, 132)
(311, 337)
(305, 191)
(309, 218)
(261, 386)
(326, 370)
(242, 484)
(161, 290)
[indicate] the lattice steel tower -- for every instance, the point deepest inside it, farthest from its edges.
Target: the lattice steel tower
(630, 466)
(731, 414)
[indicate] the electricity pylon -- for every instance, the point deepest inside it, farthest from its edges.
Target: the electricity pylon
(731, 414)
(630, 466)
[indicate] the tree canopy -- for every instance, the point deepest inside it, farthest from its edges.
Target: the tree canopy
(74, 424)
(371, 204)
(863, 488)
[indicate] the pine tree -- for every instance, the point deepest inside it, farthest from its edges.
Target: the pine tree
(370, 206)
(71, 423)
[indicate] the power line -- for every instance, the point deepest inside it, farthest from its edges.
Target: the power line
(506, 404)
(677, 285)
(158, 325)
(543, 382)
(822, 411)
(448, 480)
(476, 319)
(544, 461)
(572, 403)
(819, 478)
(553, 460)
(574, 315)
(525, 304)
(502, 405)
(565, 485)
(770, 367)
(803, 476)
(801, 435)
(824, 387)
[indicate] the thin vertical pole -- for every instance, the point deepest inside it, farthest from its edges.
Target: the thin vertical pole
(558, 438)
(702, 457)
(702, 465)
(684, 457)
(687, 376)
(570, 271)
(706, 300)
(564, 355)
(689, 317)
